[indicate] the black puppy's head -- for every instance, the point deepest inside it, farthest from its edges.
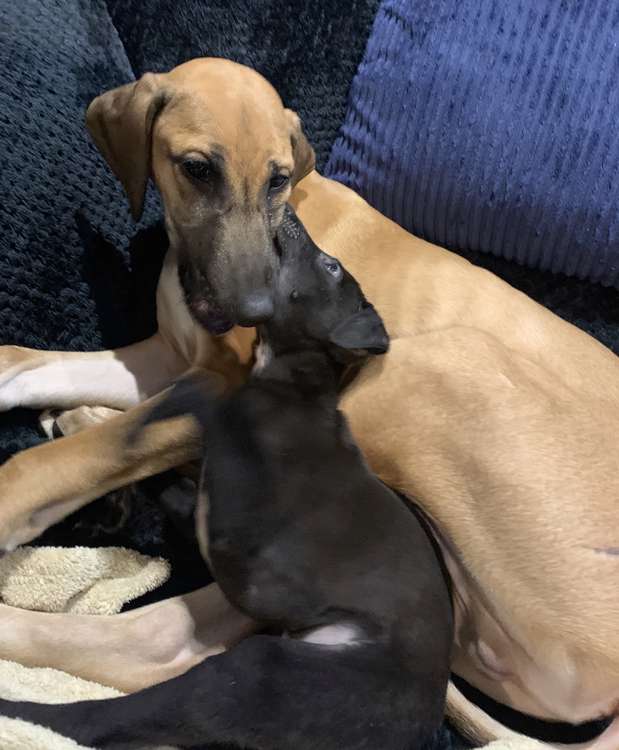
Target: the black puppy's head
(318, 304)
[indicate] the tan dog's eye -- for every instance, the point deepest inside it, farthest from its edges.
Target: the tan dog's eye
(278, 181)
(198, 169)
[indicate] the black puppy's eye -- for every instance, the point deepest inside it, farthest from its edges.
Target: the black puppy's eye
(198, 169)
(278, 181)
(333, 267)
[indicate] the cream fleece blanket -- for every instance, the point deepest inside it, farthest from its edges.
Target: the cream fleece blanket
(81, 580)
(78, 580)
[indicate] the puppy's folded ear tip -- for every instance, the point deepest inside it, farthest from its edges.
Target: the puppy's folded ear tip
(380, 347)
(363, 333)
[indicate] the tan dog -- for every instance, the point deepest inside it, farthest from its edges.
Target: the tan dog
(498, 417)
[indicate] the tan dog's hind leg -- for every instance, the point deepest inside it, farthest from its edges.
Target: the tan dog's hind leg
(118, 378)
(40, 486)
(129, 651)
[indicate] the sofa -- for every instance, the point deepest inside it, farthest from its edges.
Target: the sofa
(486, 127)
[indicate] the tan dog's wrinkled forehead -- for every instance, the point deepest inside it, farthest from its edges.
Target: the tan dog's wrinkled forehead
(219, 106)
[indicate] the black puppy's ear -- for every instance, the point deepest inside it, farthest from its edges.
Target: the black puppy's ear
(362, 332)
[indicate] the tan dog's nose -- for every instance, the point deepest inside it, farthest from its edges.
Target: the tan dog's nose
(256, 308)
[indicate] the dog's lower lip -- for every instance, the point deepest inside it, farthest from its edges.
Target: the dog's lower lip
(210, 317)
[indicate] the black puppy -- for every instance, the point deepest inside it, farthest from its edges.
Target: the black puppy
(303, 537)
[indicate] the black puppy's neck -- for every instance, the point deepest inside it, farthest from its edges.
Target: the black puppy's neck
(312, 371)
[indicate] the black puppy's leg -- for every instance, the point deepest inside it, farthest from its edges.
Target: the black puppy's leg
(269, 693)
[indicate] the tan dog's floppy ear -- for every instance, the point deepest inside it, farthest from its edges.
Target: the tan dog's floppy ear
(304, 157)
(121, 123)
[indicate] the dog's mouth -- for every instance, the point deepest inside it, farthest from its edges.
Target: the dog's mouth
(209, 316)
(201, 303)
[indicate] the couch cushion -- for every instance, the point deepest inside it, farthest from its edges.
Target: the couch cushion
(65, 278)
(492, 126)
(308, 49)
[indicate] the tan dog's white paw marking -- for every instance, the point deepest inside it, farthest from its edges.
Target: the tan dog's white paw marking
(56, 423)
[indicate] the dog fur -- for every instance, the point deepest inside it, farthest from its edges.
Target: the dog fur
(496, 415)
(292, 524)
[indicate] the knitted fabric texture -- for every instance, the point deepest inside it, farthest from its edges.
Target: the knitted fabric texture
(65, 229)
(491, 126)
(308, 49)
(78, 580)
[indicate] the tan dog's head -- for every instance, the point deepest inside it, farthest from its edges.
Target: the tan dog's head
(224, 154)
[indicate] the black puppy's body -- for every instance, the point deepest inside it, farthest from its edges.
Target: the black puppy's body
(303, 537)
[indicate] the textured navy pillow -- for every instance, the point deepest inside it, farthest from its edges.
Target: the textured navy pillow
(491, 127)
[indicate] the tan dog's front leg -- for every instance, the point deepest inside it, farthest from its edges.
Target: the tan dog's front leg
(118, 378)
(42, 485)
(129, 651)
(57, 424)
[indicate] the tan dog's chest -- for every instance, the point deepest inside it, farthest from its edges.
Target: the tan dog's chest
(229, 355)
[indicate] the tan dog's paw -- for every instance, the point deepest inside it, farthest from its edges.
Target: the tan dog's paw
(29, 503)
(15, 527)
(55, 423)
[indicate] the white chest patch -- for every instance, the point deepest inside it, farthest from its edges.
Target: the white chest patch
(263, 356)
(339, 634)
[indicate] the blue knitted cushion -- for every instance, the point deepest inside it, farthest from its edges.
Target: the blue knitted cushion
(492, 126)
